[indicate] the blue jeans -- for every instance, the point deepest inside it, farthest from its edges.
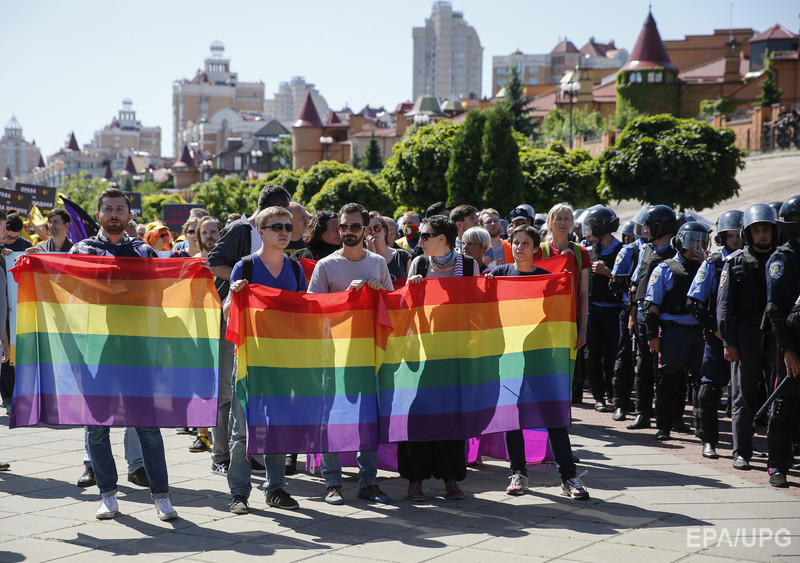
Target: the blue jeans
(221, 433)
(132, 449)
(105, 470)
(559, 443)
(239, 468)
(331, 468)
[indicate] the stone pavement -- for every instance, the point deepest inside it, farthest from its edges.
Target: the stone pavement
(647, 505)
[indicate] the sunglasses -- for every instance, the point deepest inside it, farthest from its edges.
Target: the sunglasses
(191, 231)
(426, 236)
(278, 227)
(353, 228)
(376, 228)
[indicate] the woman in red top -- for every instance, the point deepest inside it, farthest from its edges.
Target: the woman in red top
(560, 221)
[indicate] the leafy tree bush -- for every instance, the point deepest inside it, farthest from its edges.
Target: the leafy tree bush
(682, 163)
(223, 195)
(709, 107)
(152, 205)
(555, 126)
(289, 179)
(373, 161)
(516, 102)
(416, 171)
(83, 190)
(500, 177)
(313, 180)
(770, 93)
(465, 161)
(356, 186)
(554, 174)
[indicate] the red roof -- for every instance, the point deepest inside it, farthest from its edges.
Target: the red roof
(107, 174)
(565, 46)
(542, 104)
(41, 161)
(73, 144)
(129, 167)
(594, 49)
(404, 107)
(185, 160)
(777, 31)
(333, 119)
(605, 93)
(308, 114)
(649, 51)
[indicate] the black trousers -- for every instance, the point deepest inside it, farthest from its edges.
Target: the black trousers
(442, 459)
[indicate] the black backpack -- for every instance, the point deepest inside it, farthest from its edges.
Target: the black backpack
(247, 269)
(468, 265)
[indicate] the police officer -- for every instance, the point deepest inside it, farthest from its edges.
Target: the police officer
(657, 226)
(783, 287)
(626, 232)
(602, 338)
(715, 373)
(741, 302)
(679, 342)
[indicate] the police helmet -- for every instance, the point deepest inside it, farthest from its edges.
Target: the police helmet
(660, 220)
(539, 220)
(776, 205)
(638, 221)
(758, 214)
(692, 236)
(728, 221)
(627, 228)
(528, 208)
(789, 217)
(599, 221)
(521, 212)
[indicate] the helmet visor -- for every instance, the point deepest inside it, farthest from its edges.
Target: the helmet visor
(695, 241)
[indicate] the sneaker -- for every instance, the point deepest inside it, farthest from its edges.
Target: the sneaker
(108, 508)
(186, 431)
(518, 485)
(415, 493)
(334, 495)
(164, 509)
(220, 468)
(256, 467)
(279, 498)
(87, 479)
(453, 490)
(139, 477)
(573, 488)
(5, 466)
(201, 444)
(239, 505)
(374, 493)
(778, 479)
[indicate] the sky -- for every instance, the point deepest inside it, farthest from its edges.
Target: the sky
(68, 65)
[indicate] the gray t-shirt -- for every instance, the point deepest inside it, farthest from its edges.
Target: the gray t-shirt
(335, 272)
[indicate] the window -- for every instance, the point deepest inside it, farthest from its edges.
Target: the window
(501, 72)
(533, 81)
(533, 70)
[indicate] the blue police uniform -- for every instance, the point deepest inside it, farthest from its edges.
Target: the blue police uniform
(741, 301)
(681, 337)
(715, 372)
(783, 289)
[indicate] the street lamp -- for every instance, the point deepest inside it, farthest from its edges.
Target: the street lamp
(325, 142)
(570, 88)
(256, 154)
(422, 119)
(206, 167)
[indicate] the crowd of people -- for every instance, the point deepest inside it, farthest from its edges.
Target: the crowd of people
(662, 323)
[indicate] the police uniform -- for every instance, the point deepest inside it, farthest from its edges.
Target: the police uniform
(622, 380)
(783, 287)
(649, 258)
(741, 302)
(681, 337)
(602, 337)
(716, 371)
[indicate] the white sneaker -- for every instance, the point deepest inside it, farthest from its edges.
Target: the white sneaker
(108, 508)
(574, 488)
(164, 509)
(518, 485)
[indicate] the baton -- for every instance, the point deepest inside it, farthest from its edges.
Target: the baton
(770, 400)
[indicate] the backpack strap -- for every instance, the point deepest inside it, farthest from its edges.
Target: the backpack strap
(247, 268)
(296, 270)
(422, 266)
(577, 250)
(468, 265)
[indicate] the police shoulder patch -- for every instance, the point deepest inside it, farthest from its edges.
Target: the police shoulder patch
(655, 276)
(776, 270)
(723, 278)
(702, 274)
(618, 260)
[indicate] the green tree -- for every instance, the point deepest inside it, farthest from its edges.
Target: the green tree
(554, 174)
(355, 159)
(373, 161)
(311, 183)
(283, 152)
(770, 93)
(416, 170)
(83, 190)
(465, 161)
(625, 113)
(516, 102)
(289, 179)
(356, 186)
(500, 178)
(221, 196)
(682, 163)
(152, 205)
(710, 107)
(555, 126)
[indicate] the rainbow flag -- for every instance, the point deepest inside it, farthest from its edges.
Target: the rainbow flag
(465, 358)
(116, 342)
(305, 369)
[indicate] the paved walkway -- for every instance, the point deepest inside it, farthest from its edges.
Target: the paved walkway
(647, 505)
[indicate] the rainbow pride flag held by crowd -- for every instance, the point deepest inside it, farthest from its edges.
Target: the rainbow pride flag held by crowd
(468, 357)
(447, 359)
(116, 342)
(306, 369)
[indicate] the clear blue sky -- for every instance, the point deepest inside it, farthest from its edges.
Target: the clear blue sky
(68, 65)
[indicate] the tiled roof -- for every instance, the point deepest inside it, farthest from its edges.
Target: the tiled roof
(308, 114)
(605, 93)
(649, 51)
(107, 174)
(709, 71)
(41, 161)
(129, 167)
(73, 144)
(369, 112)
(272, 129)
(379, 132)
(404, 107)
(185, 160)
(594, 49)
(777, 31)
(542, 104)
(565, 46)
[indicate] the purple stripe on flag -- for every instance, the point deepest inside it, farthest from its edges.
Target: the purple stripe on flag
(113, 411)
(423, 427)
(292, 439)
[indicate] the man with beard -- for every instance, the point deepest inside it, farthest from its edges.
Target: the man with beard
(351, 268)
(113, 213)
(500, 251)
(207, 234)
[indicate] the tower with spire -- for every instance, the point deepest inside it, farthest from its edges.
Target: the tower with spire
(18, 157)
(647, 82)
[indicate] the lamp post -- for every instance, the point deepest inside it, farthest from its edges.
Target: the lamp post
(422, 119)
(325, 142)
(206, 167)
(256, 154)
(571, 90)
